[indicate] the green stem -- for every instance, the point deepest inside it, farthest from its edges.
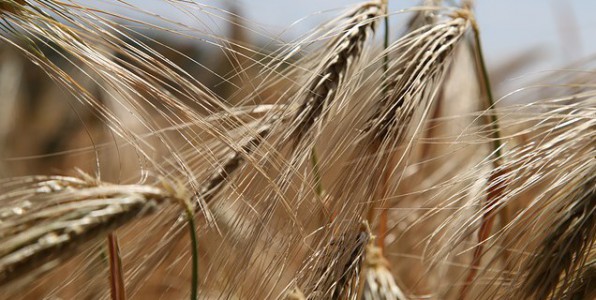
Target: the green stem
(383, 216)
(495, 130)
(487, 219)
(195, 254)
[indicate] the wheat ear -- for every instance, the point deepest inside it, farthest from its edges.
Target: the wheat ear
(413, 78)
(565, 249)
(538, 176)
(426, 55)
(49, 219)
(344, 51)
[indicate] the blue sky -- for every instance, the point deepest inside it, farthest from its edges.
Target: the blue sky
(561, 30)
(507, 26)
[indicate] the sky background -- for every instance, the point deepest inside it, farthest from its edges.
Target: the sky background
(560, 31)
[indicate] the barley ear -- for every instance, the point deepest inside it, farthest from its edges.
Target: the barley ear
(62, 214)
(566, 247)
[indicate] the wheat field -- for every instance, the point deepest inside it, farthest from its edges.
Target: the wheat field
(145, 158)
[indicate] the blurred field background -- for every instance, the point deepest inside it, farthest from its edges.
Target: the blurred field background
(523, 40)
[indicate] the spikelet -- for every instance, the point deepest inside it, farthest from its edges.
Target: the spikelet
(378, 280)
